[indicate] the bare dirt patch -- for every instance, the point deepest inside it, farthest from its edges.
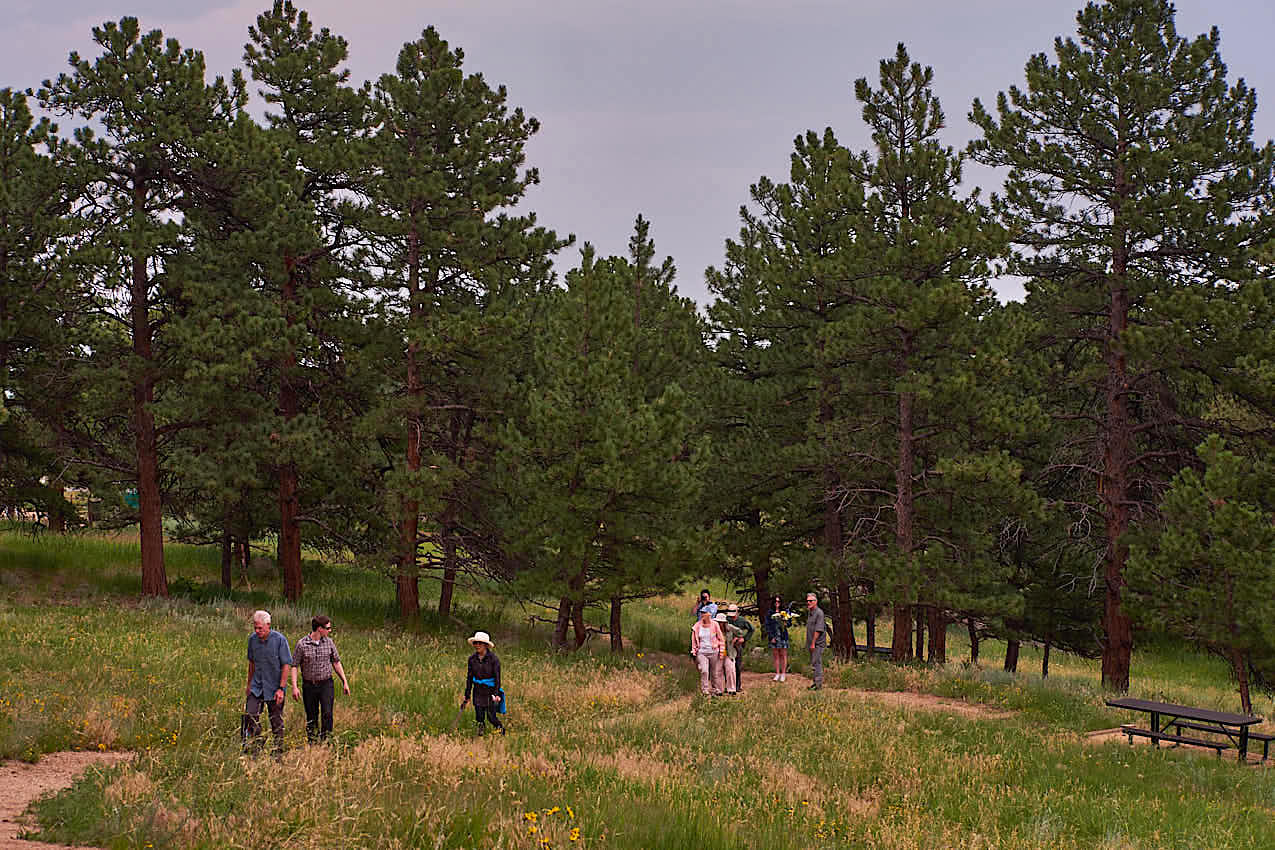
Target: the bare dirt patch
(21, 784)
(901, 699)
(929, 702)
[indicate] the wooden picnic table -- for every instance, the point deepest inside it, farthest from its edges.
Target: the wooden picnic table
(1168, 715)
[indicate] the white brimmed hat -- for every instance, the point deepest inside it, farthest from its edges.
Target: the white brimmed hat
(481, 637)
(719, 617)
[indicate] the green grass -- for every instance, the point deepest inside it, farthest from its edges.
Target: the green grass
(617, 748)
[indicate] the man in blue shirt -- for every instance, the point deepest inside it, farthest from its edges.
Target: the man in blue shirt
(269, 664)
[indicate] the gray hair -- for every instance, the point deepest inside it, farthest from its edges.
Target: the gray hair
(812, 596)
(261, 616)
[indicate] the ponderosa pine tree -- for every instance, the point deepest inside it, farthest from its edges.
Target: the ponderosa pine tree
(321, 122)
(780, 427)
(449, 157)
(36, 294)
(604, 471)
(151, 102)
(1137, 196)
(930, 407)
(1206, 571)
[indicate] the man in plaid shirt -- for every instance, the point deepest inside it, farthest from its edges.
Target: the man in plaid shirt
(316, 657)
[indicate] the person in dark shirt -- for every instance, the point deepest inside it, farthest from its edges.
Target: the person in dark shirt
(704, 602)
(482, 682)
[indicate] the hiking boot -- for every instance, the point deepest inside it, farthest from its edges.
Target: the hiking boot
(815, 687)
(481, 730)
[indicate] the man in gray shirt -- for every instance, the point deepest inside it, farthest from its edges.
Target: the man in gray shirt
(816, 639)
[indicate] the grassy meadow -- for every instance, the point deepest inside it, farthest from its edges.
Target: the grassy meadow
(602, 751)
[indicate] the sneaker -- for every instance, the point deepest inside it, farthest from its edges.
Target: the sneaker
(783, 677)
(776, 677)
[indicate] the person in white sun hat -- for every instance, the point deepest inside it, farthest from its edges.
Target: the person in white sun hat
(482, 682)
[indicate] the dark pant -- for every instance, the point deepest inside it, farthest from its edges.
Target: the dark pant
(739, 671)
(317, 697)
(251, 729)
(486, 712)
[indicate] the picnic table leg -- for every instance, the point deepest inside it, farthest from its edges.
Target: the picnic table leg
(1155, 727)
(1243, 743)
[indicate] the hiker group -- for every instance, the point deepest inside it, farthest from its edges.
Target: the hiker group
(273, 668)
(718, 639)
(720, 634)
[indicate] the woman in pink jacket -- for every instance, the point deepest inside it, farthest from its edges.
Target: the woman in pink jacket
(708, 648)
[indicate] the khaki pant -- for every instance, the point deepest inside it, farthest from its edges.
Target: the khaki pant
(710, 673)
(729, 668)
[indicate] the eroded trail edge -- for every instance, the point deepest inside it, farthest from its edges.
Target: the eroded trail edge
(21, 784)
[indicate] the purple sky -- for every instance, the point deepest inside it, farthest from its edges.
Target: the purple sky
(670, 109)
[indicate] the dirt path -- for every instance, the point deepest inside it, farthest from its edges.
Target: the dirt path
(795, 683)
(21, 784)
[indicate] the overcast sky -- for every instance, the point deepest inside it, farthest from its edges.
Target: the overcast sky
(669, 108)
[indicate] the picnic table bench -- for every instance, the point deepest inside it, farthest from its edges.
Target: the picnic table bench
(1167, 716)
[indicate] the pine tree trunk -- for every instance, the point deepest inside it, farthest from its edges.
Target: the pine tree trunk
(227, 555)
(150, 519)
(289, 532)
(577, 623)
(407, 563)
(1044, 663)
(1239, 667)
(449, 571)
(832, 532)
(57, 521)
(903, 528)
(871, 622)
(1011, 656)
(617, 639)
(969, 622)
(245, 555)
(1117, 437)
(920, 633)
(409, 591)
(560, 627)
(289, 489)
(761, 585)
(938, 636)
(843, 631)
